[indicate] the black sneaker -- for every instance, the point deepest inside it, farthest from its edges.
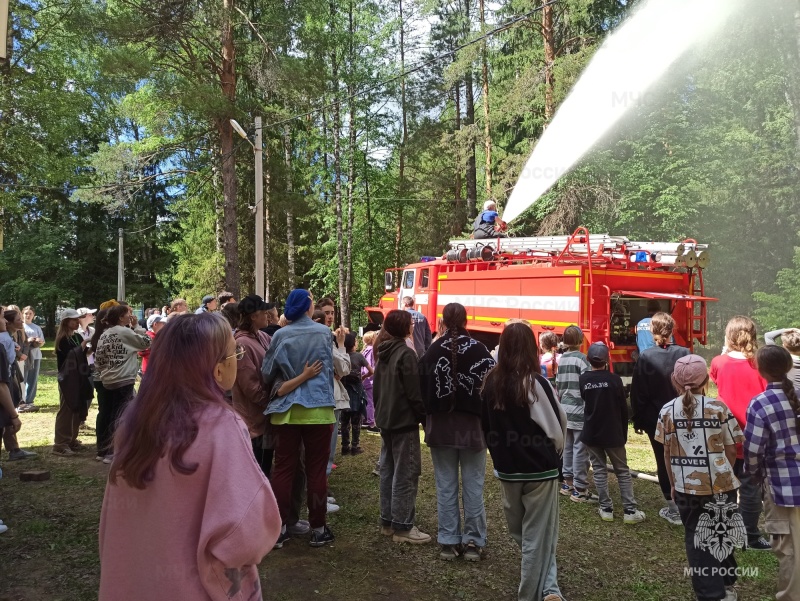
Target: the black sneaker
(760, 545)
(281, 540)
(321, 539)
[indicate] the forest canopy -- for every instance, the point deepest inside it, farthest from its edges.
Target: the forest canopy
(387, 124)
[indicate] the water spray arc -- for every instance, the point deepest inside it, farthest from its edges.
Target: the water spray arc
(628, 63)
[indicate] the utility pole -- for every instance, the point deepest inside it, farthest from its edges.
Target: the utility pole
(3, 28)
(121, 269)
(259, 212)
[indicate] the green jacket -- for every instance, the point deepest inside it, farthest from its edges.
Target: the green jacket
(396, 390)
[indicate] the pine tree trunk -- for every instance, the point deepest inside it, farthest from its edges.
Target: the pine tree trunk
(472, 175)
(267, 230)
(290, 247)
(487, 136)
(549, 59)
(401, 170)
(458, 210)
(351, 176)
(227, 77)
(370, 260)
(337, 165)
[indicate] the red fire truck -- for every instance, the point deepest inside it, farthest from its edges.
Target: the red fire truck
(599, 282)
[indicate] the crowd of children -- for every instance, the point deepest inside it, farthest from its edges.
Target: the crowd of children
(721, 461)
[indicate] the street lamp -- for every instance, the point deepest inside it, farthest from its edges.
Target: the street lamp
(259, 202)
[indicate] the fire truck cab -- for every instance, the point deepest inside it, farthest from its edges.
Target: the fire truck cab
(598, 282)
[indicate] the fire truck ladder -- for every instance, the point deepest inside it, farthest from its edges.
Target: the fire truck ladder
(582, 247)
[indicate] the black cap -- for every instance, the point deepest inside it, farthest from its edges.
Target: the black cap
(252, 303)
(597, 353)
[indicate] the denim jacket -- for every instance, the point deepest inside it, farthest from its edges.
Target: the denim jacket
(302, 341)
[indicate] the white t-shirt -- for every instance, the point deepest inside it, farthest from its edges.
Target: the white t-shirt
(697, 457)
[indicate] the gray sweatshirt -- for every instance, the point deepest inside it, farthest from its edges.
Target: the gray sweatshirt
(115, 357)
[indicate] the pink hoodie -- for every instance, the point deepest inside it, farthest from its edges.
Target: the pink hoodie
(197, 537)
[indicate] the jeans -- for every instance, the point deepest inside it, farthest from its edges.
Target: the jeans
(750, 505)
(473, 470)
(350, 420)
(401, 466)
(31, 379)
(711, 576)
(334, 437)
(531, 510)
(661, 466)
(619, 461)
(576, 459)
(110, 403)
(370, 407)
(289, 439)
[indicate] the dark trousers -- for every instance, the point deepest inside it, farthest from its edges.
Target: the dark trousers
(661, 466)
(263, 456)
(401, 465)
(750, 504)
(710, 576)
(110, 403)
(289, 440)
(67, 424)
(347, 421)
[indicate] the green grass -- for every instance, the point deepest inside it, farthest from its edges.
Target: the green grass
(52, 541)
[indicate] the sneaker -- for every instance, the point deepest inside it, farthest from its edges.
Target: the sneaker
(3, 527)
(282, 540)
(730, 594)
(374, 429)
(108, 459)
(606, 514)
(413, 536)
(584, 497)
(299, 528)
(345, 450)
(473, 552)
(331, 499)
(99, 458)
(565, 489)
(78, 447)
(64, 451)
(673, 517)
(27, 408)
(760, 545)
(332, 508)
(19, 454)
(449, 552)
(553, 597)
(376, 472)
(320, 539)
(387, 530)
(633, 517)
(356, 451)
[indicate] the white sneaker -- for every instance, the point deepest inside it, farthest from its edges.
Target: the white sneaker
(607, 515)
(673, 517)
(3, 527)
(331, 500)
(730, 594)
(108, 459)
(634, 517)
(413, 536)
(299, 528)
(332, 508)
